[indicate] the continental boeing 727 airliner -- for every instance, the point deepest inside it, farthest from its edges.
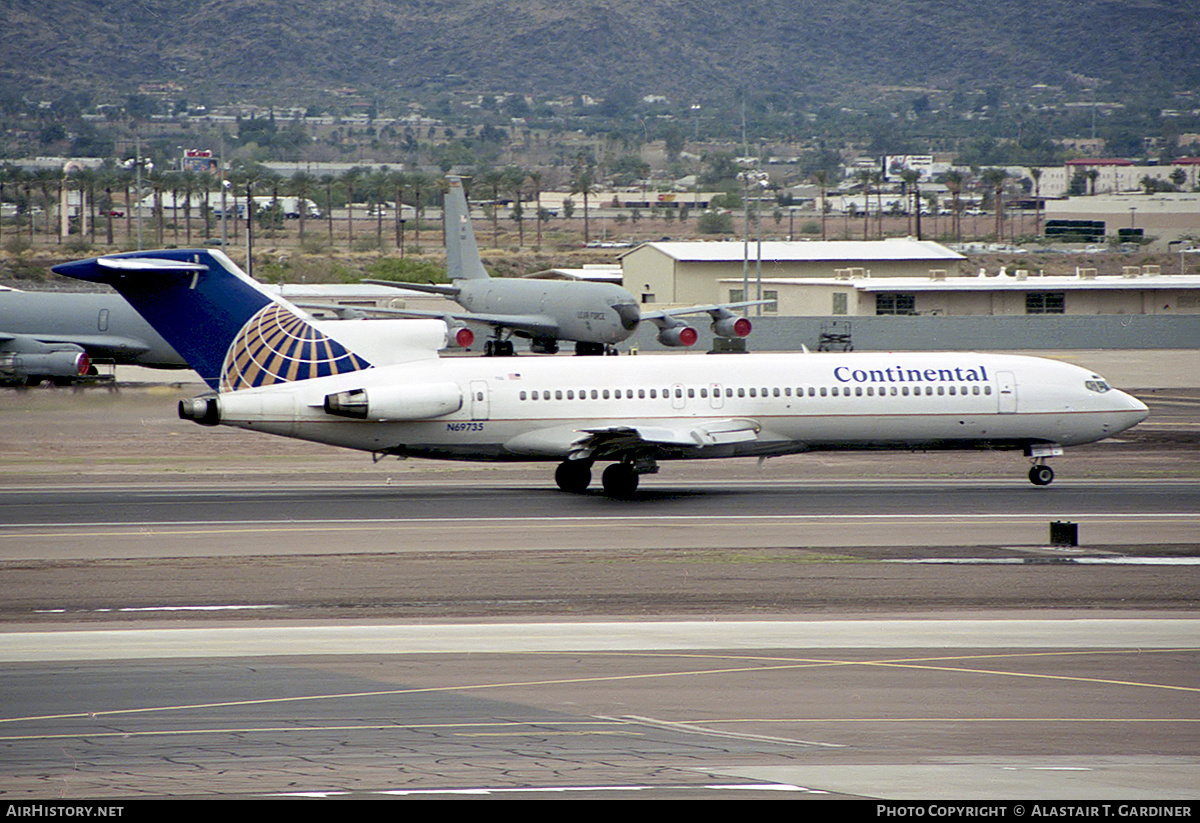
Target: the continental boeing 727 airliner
(380, 386)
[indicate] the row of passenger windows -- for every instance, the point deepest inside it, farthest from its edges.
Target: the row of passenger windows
(787, 391)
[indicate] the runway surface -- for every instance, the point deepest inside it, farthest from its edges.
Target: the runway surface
(189, 613)
(190, 519)
(1072, 709)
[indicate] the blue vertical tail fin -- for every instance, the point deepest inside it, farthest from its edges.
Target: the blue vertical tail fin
(219, 320)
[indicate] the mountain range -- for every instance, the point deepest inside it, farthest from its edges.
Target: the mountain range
(823, 51)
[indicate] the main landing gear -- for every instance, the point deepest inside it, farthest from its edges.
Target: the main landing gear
(594, 349)
(620, 480)
(498, 348)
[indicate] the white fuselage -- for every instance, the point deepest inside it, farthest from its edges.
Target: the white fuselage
(535, 408)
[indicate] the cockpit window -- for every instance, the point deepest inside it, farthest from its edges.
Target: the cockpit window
(1098, 386)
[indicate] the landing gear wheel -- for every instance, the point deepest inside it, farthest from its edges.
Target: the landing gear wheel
(573, 476)
(1041, 475)
(620, 481)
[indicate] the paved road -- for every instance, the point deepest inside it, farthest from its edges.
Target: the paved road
(191, 519)
(179, 621)
(1031, 708)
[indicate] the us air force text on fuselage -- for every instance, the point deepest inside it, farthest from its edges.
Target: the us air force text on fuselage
(1020, 810)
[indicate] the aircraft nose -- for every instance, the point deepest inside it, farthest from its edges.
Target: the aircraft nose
(1135, 411)
(629, 313)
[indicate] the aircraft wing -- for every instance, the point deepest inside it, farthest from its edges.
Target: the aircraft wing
(98, 345)
(608, 442)
(534, 325)
(717, 311)
(673, 434)
(428, 288)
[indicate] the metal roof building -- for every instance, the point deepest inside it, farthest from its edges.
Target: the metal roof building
(687, 273)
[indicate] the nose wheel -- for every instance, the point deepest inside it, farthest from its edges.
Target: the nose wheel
(1041, 475)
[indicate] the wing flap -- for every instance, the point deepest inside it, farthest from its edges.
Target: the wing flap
(684, 433)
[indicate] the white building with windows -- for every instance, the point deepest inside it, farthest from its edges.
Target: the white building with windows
(1135, 292)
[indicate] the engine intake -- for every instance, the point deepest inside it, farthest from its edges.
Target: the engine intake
(675, 336)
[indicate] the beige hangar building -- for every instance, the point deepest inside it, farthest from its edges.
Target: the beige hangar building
(679, 273)
(889, 277)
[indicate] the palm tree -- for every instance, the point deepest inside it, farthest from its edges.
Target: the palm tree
(912, 194)
(536, 178)
(584, 182)
(877, 179)
(397, 181)
(351, 180)
(865, 176)
(300, 186)
(822, 178)
(46, 180)
(954, 180)
(1036, 174)
(419, 183)
(995, 178)
(493, 181)
(514, 179)
(327, 180)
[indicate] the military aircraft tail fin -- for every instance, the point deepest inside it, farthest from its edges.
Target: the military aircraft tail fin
(219, 320)
(462, 253)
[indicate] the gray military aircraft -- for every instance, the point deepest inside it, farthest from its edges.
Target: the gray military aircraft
(595, 316)
(58, 336)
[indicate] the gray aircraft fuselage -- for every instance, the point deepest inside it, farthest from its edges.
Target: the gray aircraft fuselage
(105, 326)
(582, 311)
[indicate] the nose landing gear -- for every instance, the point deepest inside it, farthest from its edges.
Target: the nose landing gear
(1041, 474)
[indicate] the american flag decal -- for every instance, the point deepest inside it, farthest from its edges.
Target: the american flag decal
(277, 346)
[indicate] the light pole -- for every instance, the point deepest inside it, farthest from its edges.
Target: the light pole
(137, 163)
(225, 186)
